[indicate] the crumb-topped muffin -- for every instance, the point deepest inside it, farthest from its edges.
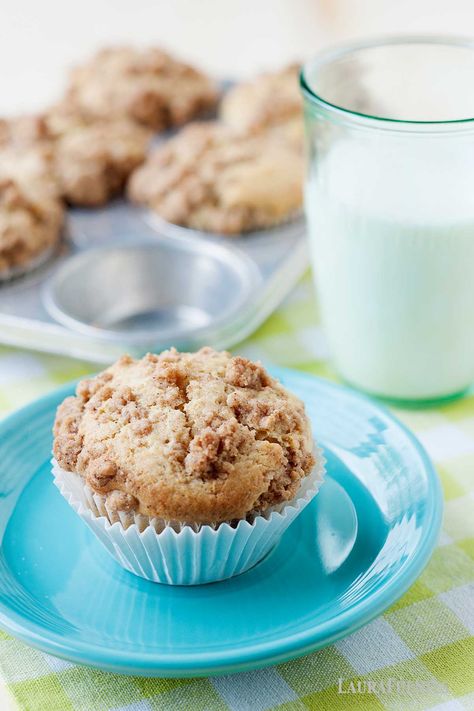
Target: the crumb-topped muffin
(31, 211)
(30, 226)
(24, 130)
(210, 178)
(31, 164)
(148, 86)
(93, 161)
(267, 101)
(191, 437)
(89, 160)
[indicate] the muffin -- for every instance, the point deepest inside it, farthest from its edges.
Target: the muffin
(31, 164)
(22, 131)
(93, 161)
(174, 451)
(270, 101)
(31, 212)
(148, 86)
(30, 227)
(89, 160)
(210, 178)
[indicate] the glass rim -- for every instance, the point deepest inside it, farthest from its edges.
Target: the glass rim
(330, 55)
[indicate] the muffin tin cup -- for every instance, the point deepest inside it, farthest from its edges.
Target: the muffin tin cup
(144, 293)
(120, 284)
(181, 554)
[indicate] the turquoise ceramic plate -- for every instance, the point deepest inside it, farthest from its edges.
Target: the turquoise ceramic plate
(352, 553)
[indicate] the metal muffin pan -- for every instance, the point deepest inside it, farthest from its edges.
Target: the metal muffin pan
(125, 281)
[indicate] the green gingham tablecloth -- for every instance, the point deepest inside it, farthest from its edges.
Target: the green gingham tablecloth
(418, 655)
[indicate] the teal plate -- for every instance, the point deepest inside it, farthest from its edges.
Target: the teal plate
(356, 549)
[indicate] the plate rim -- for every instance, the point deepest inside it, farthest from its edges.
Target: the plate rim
(255, 656)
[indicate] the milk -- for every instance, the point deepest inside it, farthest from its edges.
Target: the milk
(391, 223)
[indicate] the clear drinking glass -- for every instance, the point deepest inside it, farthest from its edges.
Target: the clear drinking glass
(389, 199)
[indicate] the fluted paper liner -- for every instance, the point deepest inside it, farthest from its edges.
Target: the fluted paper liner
(181, 554)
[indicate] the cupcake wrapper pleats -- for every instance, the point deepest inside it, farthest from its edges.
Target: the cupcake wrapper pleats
(176, 554)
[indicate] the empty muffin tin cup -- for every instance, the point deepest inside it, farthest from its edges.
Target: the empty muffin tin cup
(170, 291)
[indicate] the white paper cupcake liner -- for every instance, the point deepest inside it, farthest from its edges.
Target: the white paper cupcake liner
(180, 554)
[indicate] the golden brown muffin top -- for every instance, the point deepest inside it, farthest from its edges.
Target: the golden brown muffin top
(24, 130)
(31, 212)
(267, 101)
(148, 86)
(31, 164)
(191, 437)
(93, 161)
(208, 177)
(87, 160)
(30, 225)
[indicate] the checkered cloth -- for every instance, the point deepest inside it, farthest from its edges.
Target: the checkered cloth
(418, 655)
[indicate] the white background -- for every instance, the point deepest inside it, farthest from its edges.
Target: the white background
(39, 39)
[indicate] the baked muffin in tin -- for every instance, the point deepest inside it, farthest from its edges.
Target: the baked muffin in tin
(212, 178)
(148, 86)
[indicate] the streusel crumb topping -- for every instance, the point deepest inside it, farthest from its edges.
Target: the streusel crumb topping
(192, 437)
(30, 224)
(148, 86)
(208, 177)
(267, 101)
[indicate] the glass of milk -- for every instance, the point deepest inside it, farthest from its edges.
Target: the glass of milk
(389, 199)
